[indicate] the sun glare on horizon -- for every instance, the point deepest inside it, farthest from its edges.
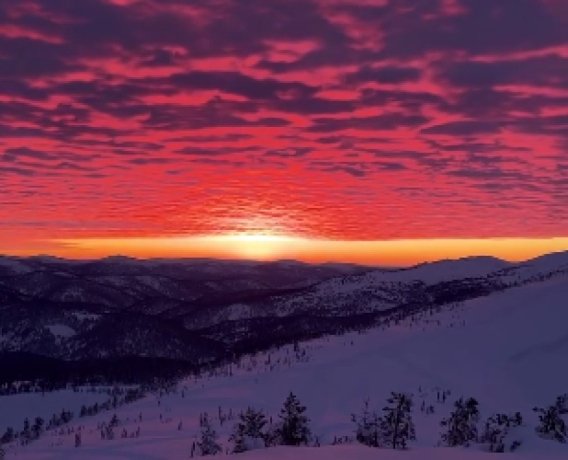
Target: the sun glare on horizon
(260, 246)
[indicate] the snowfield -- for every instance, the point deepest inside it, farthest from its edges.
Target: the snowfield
(140, 450)
(508, 350)
(61, 330)
(15, 408)
(358, 452)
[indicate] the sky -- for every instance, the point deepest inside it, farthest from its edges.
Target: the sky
(353, 130)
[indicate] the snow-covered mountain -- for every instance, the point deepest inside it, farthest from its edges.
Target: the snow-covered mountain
(507, 348)
(204, 310)
(367, 297)
(126, 307)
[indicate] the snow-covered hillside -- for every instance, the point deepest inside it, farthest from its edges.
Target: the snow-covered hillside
(203, 311)
(15, 408)
(377, 291)
(507, 349)
(358, 452)
(90, 302)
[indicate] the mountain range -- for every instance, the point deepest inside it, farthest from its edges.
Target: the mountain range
(202, 312)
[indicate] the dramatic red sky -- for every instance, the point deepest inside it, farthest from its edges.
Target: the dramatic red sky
(124, 123)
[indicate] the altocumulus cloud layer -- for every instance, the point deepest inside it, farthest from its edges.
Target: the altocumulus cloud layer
(349, 119)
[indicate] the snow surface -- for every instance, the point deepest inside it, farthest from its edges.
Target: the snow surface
(358, 452)
(15, 266)
(447, 270)
(385, 285)
(135, 449)
(83, 316)
(61, 330)
(15, 408)
(508, 350)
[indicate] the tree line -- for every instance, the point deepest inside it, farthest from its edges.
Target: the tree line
(392, 427)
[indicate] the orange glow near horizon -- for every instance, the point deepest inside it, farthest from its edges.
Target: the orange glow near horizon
(266, 246)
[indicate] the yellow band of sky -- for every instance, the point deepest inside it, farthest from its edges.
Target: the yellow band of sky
(273, 247)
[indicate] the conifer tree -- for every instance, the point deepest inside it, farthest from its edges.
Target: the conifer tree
(497, 429)
(114, 421)
(207, 444)
(37, 428)
(367, 427)
(66, 416)
(8, 436)
(551, 425)
(108, 432)
(249, 431)
(562, 404)
(293, 429)
(25, 435)
(461, 425)
(396, 425)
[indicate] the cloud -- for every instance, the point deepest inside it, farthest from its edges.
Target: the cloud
(374, 123)
(548, 71)
(395, 74)
(465, 128)
(13, 154)
(289, 152)
(237, 83)
(110, 108)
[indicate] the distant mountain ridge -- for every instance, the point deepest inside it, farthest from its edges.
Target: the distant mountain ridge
(201, 311)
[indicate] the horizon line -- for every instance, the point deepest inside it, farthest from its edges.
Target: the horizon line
(263, 248)
(270, 261)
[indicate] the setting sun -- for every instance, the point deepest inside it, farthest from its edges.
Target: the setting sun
(258, 246)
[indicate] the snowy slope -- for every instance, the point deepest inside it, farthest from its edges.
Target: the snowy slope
(445, 270)
(507, 349)
(354, 452)
(381, 290)
(549, 265)
(153, 295)
(15, 408)
(134, 449)
(240, 306)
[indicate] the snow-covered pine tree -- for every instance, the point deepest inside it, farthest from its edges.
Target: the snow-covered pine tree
(562, 404)
(66, 416)
(497, 429)
(293, 429)
(25, 435)
(551, 425)
(37, 428)
(249, 432)
(108, 432)
(396, 425)
(8, 436)
(207, 444)
(367, 426)
(461, 425)
(114, 421)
